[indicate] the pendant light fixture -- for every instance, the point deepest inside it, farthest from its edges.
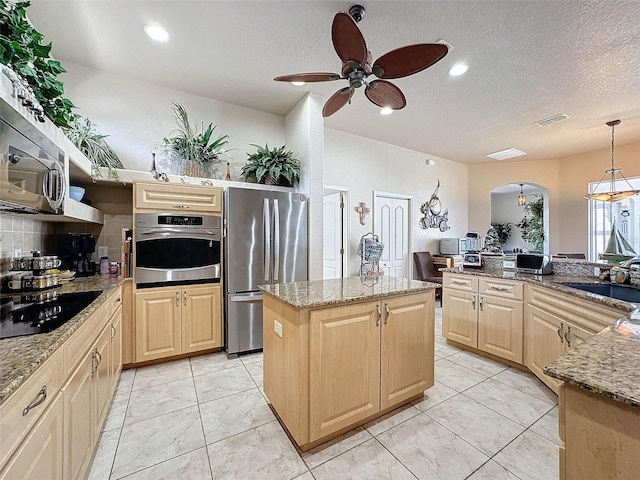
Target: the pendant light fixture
(612, 195)
(521, 198)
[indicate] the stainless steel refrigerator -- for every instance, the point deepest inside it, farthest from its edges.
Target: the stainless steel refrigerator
(265, 242)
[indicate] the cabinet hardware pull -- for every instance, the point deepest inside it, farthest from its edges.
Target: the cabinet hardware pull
(94, 365)
(480, 304)
(113, 332)
(560, 329)
(379, 315)
(499, 289)
(99, 358)
(177, 299)
(41, 397)
(185, 299)
(181, 206)
(567, 336)
(473, 302)
(386, 308)
(458, 282)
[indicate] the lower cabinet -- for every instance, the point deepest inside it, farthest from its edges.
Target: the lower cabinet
(40, 454)
(76, 386)
(332, 368)
(484, 313)
(170, 321)
(555, 322)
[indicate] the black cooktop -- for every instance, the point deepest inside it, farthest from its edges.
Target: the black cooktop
(27, 314)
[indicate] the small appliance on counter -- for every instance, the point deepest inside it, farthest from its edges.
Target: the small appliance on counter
(536, 264)
(453, 246)
(474, 244)
(75, 250)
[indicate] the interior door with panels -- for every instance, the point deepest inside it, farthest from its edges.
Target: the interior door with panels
(391, 224)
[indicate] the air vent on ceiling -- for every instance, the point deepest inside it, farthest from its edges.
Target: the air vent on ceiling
(554, 119)
(504, 154)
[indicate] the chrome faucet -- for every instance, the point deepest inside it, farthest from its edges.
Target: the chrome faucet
(631, 261)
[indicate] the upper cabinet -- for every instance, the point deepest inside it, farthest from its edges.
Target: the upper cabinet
(177, 198)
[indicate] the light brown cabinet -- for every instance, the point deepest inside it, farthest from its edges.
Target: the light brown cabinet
(66, 399)
(556, 322)
(40, 454)
(170, 321)
(484, 313)
(177, 198)
(335, 367)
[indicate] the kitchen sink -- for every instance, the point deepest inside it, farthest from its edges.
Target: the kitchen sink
(627, 293)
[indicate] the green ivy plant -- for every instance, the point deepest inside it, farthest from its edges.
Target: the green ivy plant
(532, 224)
(276, 166)
(503, 231)
(83, 135)
(25, 49)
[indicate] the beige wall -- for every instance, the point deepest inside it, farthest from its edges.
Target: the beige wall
(565, 178)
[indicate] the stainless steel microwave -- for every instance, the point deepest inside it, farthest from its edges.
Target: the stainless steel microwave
(453, 246)
(32, 178)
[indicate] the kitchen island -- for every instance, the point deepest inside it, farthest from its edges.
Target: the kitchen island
(339, 353)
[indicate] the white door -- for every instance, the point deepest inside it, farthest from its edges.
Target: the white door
(332, 235)
(391, 224)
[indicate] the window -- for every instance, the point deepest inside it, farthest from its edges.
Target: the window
(625, 213)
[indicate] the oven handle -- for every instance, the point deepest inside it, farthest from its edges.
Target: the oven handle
(161, 235)
(176, 230)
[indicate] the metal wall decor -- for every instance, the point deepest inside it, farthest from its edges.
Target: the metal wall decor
(432, 213)
(362, 210)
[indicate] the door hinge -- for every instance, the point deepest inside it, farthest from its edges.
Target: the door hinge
(341, 203)
(342, 251)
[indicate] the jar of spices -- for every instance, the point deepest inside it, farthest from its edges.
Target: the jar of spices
(114, 268)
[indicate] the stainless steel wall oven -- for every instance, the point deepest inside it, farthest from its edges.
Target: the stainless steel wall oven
(174, 249)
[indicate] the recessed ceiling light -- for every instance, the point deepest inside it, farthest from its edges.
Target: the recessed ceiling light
(156, 32)
(506, 153)
(297, 84)
(386, 111)
(458, 69)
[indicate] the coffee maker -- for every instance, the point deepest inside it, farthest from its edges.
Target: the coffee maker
(74, 250)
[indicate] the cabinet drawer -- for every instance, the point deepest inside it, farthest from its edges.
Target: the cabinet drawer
(77, 346)
(14, 425)
(158, 196)
(114, 302)
(501, 288)
(467, 283)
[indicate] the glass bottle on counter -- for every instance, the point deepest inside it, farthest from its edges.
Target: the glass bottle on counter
(228, 176)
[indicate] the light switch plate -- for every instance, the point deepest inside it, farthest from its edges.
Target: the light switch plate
(277, 327)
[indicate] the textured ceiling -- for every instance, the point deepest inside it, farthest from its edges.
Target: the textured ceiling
(528, 60)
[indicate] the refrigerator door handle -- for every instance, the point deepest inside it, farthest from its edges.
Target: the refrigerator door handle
(248, 298)
(276, 239)
(266, 228)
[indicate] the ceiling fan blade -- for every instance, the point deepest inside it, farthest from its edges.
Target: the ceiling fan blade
(309, 77)
(408, 60)
(385, 94)
(337, 101)
(347, 39)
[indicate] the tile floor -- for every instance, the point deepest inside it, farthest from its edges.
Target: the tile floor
(207, 418)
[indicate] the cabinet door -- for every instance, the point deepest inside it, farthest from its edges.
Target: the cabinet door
(407, 347)
(40, 454)
(102, 378)
(115, 365)
(500, 327)
(157, 323)
(201, 318)
(459, 317)
(182, 198)
(344, 367)
(544, 343)
(79, 418)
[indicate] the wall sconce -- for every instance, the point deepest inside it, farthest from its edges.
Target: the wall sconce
(521, 198)
(362, 210)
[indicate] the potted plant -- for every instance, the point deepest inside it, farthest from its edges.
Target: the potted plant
(83, 135)
(195, 154)
(532, 225)
(276, 166)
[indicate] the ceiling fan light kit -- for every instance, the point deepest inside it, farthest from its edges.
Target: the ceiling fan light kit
(612, 195)
(358, 65)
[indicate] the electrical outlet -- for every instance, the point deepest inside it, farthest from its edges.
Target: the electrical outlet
(596, 271)
(277, 327)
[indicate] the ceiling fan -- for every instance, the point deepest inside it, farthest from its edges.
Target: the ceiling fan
(357, 65)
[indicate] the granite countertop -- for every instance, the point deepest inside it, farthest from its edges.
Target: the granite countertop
(21, 356)
(319, 293)
(607, 363)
